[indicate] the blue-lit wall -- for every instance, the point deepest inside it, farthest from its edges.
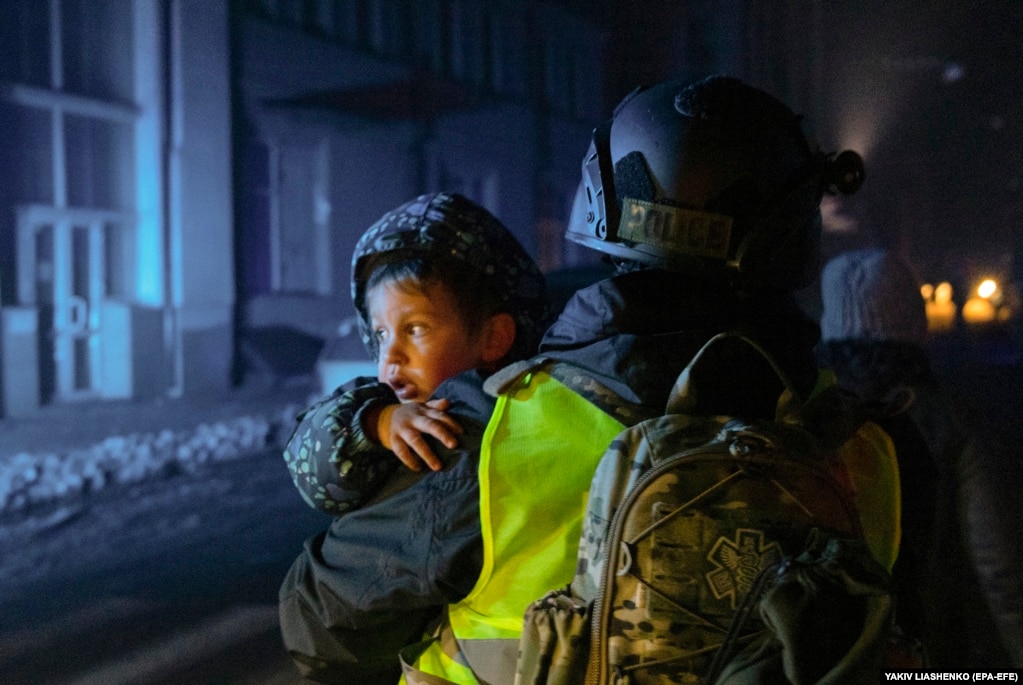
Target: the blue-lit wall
(201, 220)
(223, 175)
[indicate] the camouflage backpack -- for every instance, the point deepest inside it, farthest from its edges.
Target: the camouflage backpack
(718, 549)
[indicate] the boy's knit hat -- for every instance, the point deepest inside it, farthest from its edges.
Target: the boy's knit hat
(452, 226)
(871, 294)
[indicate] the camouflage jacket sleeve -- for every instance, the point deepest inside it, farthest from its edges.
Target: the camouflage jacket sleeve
(333, 463)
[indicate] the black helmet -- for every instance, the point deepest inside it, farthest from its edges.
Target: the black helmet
(451, 226)
(715, 178)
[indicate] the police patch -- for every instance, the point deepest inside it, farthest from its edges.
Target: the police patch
(674, 229)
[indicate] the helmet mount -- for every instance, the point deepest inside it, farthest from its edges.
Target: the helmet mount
(598, 177)
(845, 173)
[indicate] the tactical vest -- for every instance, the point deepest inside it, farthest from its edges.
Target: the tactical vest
(537, 459)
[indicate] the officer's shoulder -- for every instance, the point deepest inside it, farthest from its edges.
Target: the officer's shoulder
(513, 375)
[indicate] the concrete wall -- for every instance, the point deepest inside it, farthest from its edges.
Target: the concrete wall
(201, 222)
(19, 361)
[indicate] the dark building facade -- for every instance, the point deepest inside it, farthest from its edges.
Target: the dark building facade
(182, 175)
(182, 172)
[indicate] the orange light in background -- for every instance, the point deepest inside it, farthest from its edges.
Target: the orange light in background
(987, 288)
(941, 310)
(978, 310)
(988, 304)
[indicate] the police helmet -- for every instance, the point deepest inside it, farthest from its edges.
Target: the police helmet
(716, 178)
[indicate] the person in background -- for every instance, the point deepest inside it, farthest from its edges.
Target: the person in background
(959, 575)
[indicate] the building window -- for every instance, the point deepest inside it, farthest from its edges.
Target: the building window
(25, 42)
(287, 239)
(68, 129)
(98, 162)
(95, 46)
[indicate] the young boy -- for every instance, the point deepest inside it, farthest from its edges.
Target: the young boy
(441, 288)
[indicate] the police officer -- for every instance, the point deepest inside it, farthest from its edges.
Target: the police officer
(706, 197)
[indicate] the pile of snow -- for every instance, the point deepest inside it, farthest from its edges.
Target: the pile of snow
(27, 479)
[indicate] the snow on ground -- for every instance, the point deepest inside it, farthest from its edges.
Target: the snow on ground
(140, 442)
(34, 478)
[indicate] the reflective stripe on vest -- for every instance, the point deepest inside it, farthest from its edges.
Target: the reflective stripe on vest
(421, 662)
(533, 491)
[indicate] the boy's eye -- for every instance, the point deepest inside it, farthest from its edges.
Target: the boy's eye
(379, 334)
(417, 329)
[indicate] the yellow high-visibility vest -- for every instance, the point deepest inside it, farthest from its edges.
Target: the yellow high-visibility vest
(533, 492)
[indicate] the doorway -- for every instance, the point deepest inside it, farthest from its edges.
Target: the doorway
(61, 271)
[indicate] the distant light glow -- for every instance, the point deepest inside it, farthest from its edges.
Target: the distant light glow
(941, 310)
(881, 91)
(978, 310)
(987, 288)
(943, 292)
(952, 72)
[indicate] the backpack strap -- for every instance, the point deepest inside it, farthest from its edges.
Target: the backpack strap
(832, 414)
(684, 395)
(577, 379)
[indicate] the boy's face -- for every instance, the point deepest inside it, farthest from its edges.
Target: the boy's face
(421, 337)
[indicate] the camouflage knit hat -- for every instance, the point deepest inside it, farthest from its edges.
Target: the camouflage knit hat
(452, 226)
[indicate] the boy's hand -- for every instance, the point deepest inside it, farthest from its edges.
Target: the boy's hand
(400, 428)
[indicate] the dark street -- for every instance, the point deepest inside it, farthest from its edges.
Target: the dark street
(168, 581)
